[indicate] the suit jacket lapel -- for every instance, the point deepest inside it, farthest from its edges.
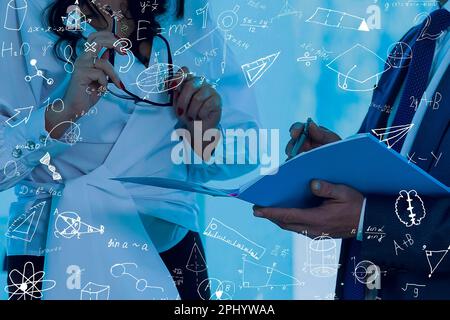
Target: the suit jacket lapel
(387, 90)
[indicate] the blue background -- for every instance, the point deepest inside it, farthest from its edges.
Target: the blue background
(290, 91)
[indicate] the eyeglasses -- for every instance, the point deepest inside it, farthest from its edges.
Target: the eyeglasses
(156, 79)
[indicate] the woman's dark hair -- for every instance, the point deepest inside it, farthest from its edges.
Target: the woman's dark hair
(58, 9)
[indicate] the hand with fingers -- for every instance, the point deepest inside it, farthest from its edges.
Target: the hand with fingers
(338, 215)
(317, 136)
(91, 74)
(195, 100)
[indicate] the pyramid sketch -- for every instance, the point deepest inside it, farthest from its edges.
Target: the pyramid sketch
(253, 71)
(24, 227)
(196, 261)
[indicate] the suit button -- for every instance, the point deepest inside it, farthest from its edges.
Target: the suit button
(31, 146)
(17, 153)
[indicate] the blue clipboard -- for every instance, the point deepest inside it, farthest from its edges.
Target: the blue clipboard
(361, 162)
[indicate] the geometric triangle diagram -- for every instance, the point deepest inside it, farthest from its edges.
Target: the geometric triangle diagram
(255, 275)
(392, 135)
(24, 227)
(253, 71)
(68, 225)
(338, 19)
(196, 262)
(434, 258)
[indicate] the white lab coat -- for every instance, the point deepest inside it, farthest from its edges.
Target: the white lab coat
(117, 138)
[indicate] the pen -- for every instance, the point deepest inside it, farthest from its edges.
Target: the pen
(301, 139)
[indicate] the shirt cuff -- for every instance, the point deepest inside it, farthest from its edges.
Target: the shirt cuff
(29, 141)
(359, 234)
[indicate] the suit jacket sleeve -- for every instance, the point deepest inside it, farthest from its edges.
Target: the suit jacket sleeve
(406, 247)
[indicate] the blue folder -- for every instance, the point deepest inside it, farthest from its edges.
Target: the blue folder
(361, 162)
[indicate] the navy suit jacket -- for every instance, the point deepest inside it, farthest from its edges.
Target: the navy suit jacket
(402, 267)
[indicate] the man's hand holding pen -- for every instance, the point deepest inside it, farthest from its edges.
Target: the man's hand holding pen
(339, 213)
(316, 136)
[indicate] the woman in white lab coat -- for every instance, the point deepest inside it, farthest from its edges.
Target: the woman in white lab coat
(74, 118)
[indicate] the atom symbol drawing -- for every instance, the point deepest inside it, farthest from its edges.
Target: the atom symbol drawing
(28, 287)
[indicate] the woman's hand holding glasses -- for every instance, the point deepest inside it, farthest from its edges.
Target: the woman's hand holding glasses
(195, 100)
(88, 81)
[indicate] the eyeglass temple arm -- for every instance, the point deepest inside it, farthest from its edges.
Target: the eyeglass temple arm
(111, 51)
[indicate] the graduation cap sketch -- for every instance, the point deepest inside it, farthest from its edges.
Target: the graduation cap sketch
(353, 74)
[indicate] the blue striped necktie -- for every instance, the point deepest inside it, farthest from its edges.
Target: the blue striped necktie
(416, 81)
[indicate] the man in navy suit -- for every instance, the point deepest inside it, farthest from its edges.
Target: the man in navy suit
(410, 256)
